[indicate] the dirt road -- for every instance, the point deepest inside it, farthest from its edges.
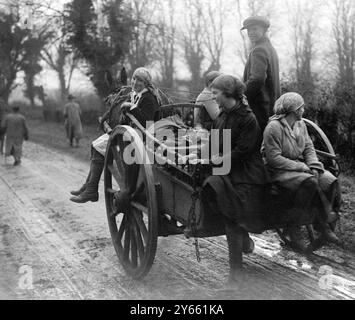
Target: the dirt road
(51, 248)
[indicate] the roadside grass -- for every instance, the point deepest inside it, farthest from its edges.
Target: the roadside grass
(52, 134)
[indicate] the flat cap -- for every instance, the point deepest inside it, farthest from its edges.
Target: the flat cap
(256, 20)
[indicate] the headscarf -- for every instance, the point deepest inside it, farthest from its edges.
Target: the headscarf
(287, 103)
(231, 86)
(210, 76)
(144, 75)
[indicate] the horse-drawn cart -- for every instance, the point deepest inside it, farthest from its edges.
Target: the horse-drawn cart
(148, 199)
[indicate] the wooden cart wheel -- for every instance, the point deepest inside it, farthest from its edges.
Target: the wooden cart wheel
(326, 153)
(324, 148)
(131, 203)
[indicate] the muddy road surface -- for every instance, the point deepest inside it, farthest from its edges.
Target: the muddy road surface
(51, 248)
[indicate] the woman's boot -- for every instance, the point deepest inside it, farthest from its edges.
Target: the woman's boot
(83, 187)
(297, 241)
(248, 243)
(327, 232)
(91, 191)
(235, 248)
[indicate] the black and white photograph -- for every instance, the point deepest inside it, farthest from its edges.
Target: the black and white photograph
(162, 152)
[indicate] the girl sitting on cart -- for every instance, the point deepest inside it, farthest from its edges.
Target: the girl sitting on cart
(143, 103)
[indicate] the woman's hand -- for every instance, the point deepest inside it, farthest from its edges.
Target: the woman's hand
(316, 173)
(189, 158)
(126, 104)
(125, 107)
(305, 168)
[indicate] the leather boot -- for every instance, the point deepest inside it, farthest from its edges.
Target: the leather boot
(248, 243)
(79, 191)
(328, 234)
(235, 248)
(91, 191)
(83, 187)
(296, 238)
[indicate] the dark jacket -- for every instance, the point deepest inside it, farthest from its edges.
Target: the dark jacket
(240, 195)
(246, 138)
(3, 109)
(261, 76)
(147, 108)
(145, 111)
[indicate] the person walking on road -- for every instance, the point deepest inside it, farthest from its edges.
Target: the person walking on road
(15, 128)
(261, 74)
(3, 108)
(73, 127)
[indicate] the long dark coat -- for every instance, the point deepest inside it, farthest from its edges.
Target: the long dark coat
(16, 132)
(239, 196)
(261, 76)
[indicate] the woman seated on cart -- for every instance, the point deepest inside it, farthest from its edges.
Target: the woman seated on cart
(143, 103)
(294, 168)
(237, 197)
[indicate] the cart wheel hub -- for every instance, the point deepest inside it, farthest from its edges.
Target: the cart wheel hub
(122, 201)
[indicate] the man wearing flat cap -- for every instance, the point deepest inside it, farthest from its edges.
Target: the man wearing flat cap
(261, 74)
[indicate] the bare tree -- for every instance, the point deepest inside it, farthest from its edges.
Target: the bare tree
(344, 92)
(166, 42)
(344, 35)
(193, 41)
(63, 61)
(214, 18)
(303, 27)
(141, 50)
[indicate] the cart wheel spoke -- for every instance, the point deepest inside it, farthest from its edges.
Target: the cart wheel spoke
(121, 167)
(142, 227)
(139, 241)
(139, 193)
(132, 177)
(139, 206)
(122, 228)
(134, 253)
(112, 191)
(127, 240)
(116, 174)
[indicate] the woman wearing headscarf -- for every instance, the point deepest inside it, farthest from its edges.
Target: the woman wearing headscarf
(143, 102)
(293, 165)
(237, 197)
(204, 116)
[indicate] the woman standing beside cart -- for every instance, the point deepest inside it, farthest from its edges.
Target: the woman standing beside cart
(238, 196)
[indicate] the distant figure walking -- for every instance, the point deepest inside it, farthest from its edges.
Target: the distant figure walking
(15, 128)
(72, 123)
(3, 109)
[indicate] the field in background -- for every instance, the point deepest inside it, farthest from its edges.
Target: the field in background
(52, 109)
